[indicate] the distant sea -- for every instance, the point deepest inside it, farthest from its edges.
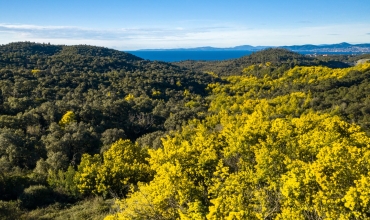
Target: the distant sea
(174, 55)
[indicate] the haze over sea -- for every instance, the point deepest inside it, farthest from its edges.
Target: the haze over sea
(173, 55)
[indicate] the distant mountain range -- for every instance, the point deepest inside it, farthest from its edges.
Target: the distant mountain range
(341, 47)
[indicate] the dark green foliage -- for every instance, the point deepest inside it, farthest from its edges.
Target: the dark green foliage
(348, 59)
(175, 121)
(349, 94)
(36, 196)
(10, 210)
(110, 136)
(40, 83)
(63, 183)
(151, 140)
(12, 185)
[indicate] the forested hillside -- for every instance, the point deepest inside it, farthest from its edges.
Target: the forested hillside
(59, 102)
(273, 135)
(280, 59)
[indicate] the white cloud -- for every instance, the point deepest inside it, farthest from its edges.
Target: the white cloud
(219, 36)
(33, 27)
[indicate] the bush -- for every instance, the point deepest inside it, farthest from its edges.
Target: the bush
(92, 208)
(36, 196)
(12, 186)
(9, 210)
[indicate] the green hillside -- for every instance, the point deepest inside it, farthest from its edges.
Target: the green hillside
(90, 133)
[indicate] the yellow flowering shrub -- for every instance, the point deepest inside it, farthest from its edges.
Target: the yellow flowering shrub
(123, 164)
(67, 118)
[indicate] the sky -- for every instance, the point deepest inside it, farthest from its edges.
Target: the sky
(162, 24)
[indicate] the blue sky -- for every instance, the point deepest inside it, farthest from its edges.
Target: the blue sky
(138, 24)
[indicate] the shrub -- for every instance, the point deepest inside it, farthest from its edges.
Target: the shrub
(36, 196)
(9, 210)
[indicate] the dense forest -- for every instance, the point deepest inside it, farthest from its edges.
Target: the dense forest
(94, 133)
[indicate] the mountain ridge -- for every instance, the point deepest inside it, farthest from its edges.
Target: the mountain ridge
(339, 47)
